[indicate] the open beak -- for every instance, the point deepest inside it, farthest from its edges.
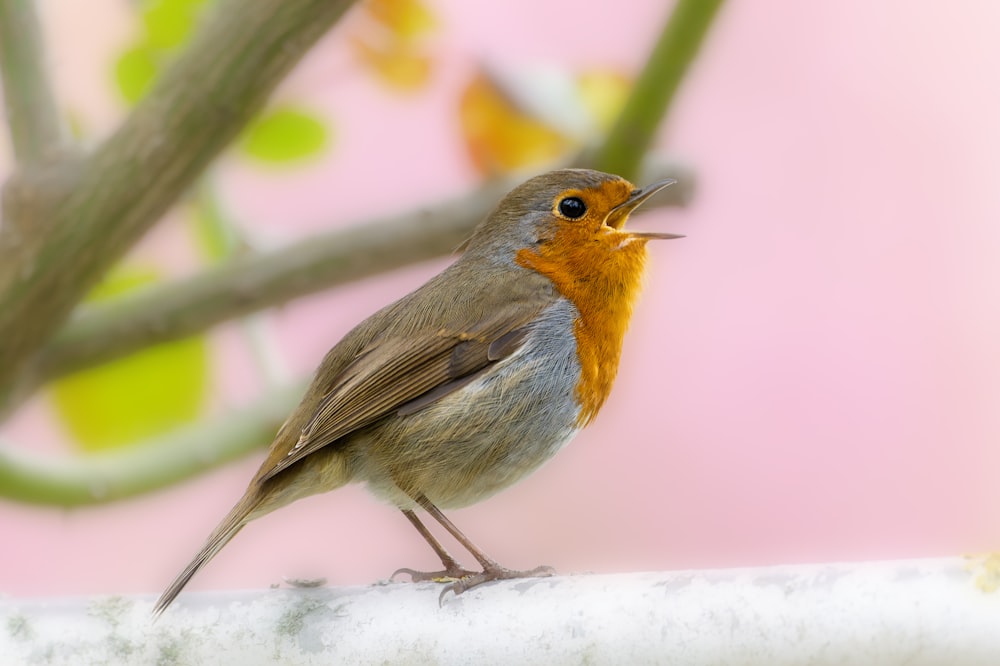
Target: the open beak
(616, 218)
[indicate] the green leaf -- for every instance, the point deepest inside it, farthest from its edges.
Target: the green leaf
(285, 135)
(169, 23)
(138, 396)
(135, 71)
(120, 282)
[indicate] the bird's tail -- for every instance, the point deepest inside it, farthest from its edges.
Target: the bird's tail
(239, 516)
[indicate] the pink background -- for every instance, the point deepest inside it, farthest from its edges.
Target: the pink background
(812, 375)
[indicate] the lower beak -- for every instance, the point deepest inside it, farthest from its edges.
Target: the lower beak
(616, 218)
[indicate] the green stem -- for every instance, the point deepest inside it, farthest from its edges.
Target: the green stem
(223, 240)
(633, 133)
(31, 109)
(144, 466)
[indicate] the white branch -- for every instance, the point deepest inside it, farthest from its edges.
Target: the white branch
(941, 611)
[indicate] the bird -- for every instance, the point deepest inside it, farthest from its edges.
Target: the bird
(472, 381)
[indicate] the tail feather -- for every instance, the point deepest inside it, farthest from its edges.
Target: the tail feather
(220, 536)
(262, 498)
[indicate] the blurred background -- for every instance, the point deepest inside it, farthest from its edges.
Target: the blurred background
(813, 374)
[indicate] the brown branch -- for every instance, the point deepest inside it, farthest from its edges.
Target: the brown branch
(171, 311)
(108, 199)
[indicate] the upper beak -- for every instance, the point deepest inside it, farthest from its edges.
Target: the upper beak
(616, 218)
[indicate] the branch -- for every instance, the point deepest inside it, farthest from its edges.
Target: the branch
(70, 481)
(175, 310)
(117, 192)
(913, 612)
(31, 109)
(649, 101)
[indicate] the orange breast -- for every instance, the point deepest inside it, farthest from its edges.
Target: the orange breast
(601, 274)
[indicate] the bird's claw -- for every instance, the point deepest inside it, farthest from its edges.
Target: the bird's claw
(444, 576)
(489, 575)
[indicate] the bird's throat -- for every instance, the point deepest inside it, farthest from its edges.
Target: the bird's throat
(602, 277)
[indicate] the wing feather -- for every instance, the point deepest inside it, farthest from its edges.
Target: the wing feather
(404, 374)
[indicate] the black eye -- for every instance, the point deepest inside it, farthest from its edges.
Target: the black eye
(573, 207)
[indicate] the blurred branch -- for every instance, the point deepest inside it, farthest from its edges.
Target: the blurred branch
(31, 109)
(249, 283)
(175, 310)
(115, 193)
(144, 466)
(633, 132)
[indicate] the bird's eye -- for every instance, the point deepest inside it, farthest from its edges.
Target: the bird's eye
(573, 207)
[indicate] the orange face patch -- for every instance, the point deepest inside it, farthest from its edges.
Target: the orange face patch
(599, 268)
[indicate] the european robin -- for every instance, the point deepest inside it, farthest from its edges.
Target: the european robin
(468, 384)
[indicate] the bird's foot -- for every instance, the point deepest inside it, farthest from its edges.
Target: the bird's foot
(449, 574)
(491, 574)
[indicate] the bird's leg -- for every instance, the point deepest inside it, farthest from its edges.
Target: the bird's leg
(452, 569)
(491, 569)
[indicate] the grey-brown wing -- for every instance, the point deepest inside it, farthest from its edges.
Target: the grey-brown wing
(406, 374)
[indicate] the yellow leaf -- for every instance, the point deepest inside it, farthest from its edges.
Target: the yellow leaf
(405, 19)
(499, 136)
(396, 64)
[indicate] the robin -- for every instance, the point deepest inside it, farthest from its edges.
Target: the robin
(468, 384)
